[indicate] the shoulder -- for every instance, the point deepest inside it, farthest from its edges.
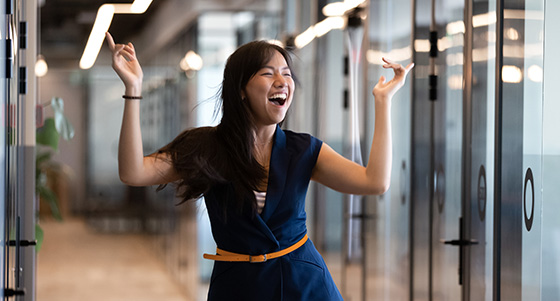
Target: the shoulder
(302, 141)
(299, 137)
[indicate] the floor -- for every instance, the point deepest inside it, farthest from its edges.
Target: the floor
(77, 263)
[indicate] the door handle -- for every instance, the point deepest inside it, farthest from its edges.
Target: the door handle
(459, 242)
(8, 292)
(22, 243)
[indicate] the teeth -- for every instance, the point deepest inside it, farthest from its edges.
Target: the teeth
(279, 95)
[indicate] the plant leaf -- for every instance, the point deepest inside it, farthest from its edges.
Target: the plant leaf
(48, 135)
(42, 157)
(63, 126)
(39, 236)
(48, 195)
(57, 104)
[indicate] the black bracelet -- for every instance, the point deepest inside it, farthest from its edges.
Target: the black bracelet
(131, 97)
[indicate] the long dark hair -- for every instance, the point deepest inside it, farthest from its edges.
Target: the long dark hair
(207, 156)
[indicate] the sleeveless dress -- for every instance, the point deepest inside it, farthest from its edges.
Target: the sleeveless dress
(299, 275)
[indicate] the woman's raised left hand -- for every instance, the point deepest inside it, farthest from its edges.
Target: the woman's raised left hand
(386, 89)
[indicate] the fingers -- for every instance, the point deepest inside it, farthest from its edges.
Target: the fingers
(110, 41)
(382, 79)
(127, 50)
(131, 46)
(128, 53)
(409, 67)
(398, 68)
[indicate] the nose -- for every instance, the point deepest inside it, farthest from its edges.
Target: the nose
(280, 81)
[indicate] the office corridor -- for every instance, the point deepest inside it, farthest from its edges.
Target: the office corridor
(78, 263)
(471, 212)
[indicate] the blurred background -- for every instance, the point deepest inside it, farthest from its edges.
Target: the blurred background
(471, 212)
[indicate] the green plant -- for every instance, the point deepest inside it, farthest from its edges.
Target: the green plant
(48, 137)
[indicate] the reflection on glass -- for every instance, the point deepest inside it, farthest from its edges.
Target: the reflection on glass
(511, 74)
(387, 273)
(481, 202)
(550, 273)
(532, 147)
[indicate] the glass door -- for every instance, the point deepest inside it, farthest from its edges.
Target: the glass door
(532, 37)
(446, 153)
(550, 273)
(479, 159)
(386, 226)
(13, 139)
(18, 172)
(438, 150)
(4, 82)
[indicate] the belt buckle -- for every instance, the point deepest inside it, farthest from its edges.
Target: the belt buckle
(257, 259)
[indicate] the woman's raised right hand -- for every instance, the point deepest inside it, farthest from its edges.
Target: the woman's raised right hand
(126, 64)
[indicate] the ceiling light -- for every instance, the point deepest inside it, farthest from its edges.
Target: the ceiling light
(305, 37)
(193, 60)
(535, 73)
(334, 12)
(140, 6)
(327, 25)
(103, 22)
(337, 9)
(511, 74)
(123, 8)
(484, 19)
(512, 34)
(41, 67)
(334, 9)
(95, 40)
(455, 27)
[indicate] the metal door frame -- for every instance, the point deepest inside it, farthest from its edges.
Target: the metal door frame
(20, 196)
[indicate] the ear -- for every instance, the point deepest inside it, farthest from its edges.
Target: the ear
(243, 95)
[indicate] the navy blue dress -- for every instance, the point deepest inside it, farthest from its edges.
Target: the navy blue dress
(299, 275)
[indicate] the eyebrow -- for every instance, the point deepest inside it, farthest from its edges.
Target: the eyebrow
(272, 68)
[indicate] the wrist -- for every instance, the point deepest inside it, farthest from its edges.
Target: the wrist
(133, 90)
(383, 101)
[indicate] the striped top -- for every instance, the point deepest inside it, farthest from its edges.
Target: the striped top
(261, 198)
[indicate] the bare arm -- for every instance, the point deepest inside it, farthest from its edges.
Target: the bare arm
(341, 174)
(134, 168)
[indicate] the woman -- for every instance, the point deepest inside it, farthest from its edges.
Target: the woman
(254, 175)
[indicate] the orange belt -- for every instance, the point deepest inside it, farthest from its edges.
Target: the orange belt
(222, 255)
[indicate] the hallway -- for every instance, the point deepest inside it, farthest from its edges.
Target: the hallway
(77, 263)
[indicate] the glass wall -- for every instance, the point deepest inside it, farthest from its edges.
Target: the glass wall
(165, 111)
(532, 37)
(387, 232)
(318, 109)
(550, 243)
(218, 35)
(3, 155)
(480, 195)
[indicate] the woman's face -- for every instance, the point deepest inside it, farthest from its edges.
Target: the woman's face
(270, 91)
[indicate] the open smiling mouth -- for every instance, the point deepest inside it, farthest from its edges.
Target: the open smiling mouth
(278, 99)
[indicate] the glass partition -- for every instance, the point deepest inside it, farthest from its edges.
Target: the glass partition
(550, 233)
(532, 77)
(387, 235)
(480, 207)
(218, 35)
